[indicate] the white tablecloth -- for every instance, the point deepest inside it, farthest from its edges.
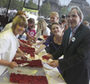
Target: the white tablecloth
(54, 77)
(52, 74)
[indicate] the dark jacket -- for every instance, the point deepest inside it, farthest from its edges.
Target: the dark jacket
(75, 64)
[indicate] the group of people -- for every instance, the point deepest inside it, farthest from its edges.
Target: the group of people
(75, 47)
(70, 38)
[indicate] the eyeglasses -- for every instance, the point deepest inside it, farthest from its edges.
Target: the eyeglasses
(73, 15)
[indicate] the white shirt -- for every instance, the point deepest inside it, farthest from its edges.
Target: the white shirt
(7, 26)
(8, 47)
(46, 32)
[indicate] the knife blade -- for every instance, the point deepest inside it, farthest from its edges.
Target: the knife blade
(23, 64)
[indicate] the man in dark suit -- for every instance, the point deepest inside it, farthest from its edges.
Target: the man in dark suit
(74, 67)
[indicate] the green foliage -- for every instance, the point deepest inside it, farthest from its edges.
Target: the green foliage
(88, 18)
(16, 4)
(45, 9)
(30, 4)
(64, 10)
(4, 3)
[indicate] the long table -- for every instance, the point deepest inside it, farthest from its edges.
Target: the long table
(52, 74)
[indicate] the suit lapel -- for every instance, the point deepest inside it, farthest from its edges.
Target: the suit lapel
(76, 37)
(66, 38)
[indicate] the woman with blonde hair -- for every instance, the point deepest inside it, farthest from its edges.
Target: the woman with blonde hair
(9, 43)
(54, 17)
(42, 28)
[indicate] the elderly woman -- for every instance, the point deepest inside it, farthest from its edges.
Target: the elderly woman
(53, 42)
(9, 43)
(54, 17)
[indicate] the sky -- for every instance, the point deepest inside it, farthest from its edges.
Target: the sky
(65, 2)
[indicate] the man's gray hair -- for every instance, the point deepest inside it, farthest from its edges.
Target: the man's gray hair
(78, 11)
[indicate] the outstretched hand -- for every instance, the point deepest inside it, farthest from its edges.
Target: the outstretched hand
(31, 39)
(13, 64)
(54, 63)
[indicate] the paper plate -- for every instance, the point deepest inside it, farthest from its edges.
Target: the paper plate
(46, 66)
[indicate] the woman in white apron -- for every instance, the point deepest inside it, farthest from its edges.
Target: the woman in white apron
(9, 43)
